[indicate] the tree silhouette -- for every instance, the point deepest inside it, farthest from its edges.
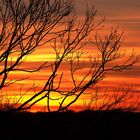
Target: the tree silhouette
(122, 99)
(28, 25)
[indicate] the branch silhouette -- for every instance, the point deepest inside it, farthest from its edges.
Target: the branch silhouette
(28, 25)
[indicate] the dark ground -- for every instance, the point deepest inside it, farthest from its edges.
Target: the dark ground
(87, 125)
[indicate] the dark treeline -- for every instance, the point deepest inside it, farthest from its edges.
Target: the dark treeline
(88, 125)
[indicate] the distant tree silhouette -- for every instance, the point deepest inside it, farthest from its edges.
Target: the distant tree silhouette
(27, 25)
(122, 99)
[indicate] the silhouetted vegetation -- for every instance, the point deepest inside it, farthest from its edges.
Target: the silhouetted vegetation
(122, 99)
(28, 25)
(70, 125)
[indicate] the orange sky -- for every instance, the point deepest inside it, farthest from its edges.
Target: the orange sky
(118, 13)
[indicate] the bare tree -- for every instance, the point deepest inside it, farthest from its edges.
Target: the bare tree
(27, 25)
(24, 25)
(122, 99)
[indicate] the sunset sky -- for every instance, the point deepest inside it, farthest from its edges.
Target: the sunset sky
(124, 14)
